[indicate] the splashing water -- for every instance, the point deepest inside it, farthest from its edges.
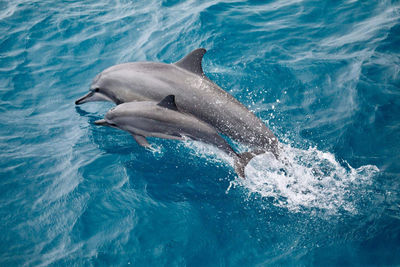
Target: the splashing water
(306, 179)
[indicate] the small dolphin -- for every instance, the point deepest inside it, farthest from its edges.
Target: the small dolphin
(163, 120)
(195, 94)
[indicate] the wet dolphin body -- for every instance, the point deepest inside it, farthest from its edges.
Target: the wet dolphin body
(195, 94)
(163, 120)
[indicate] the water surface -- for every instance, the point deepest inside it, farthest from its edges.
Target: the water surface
(324, 76)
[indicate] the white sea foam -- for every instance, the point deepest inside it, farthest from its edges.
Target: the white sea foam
(302, 180)
(209, 152)
(306, 179)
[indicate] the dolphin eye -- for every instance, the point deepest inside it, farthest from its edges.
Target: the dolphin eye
(97, 89)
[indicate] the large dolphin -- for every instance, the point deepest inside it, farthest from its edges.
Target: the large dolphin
(163, 120)
(195, 94)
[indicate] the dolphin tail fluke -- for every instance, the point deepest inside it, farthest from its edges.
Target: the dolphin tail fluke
(243, 159)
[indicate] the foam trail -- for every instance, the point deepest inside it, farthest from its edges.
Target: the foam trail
(306, 179)
(301, 181)
(210, 152)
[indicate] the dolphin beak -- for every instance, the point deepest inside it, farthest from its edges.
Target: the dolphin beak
(84, 98)
(92, 97)
(102, 122)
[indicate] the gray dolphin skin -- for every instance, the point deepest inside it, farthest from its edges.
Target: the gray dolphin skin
(163, 120)
(195, 94)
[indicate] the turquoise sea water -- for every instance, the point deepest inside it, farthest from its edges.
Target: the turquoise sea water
(323, 75)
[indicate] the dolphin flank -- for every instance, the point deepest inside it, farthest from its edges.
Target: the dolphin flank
(163, 120)
(195, 94)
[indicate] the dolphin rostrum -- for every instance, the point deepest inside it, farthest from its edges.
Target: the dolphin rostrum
(163, 120)
(195, 94)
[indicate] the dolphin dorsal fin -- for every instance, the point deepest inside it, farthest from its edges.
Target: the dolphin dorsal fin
(192, 61)
(168, 102)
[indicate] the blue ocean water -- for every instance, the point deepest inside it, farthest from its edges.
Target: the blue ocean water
(323, 75)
